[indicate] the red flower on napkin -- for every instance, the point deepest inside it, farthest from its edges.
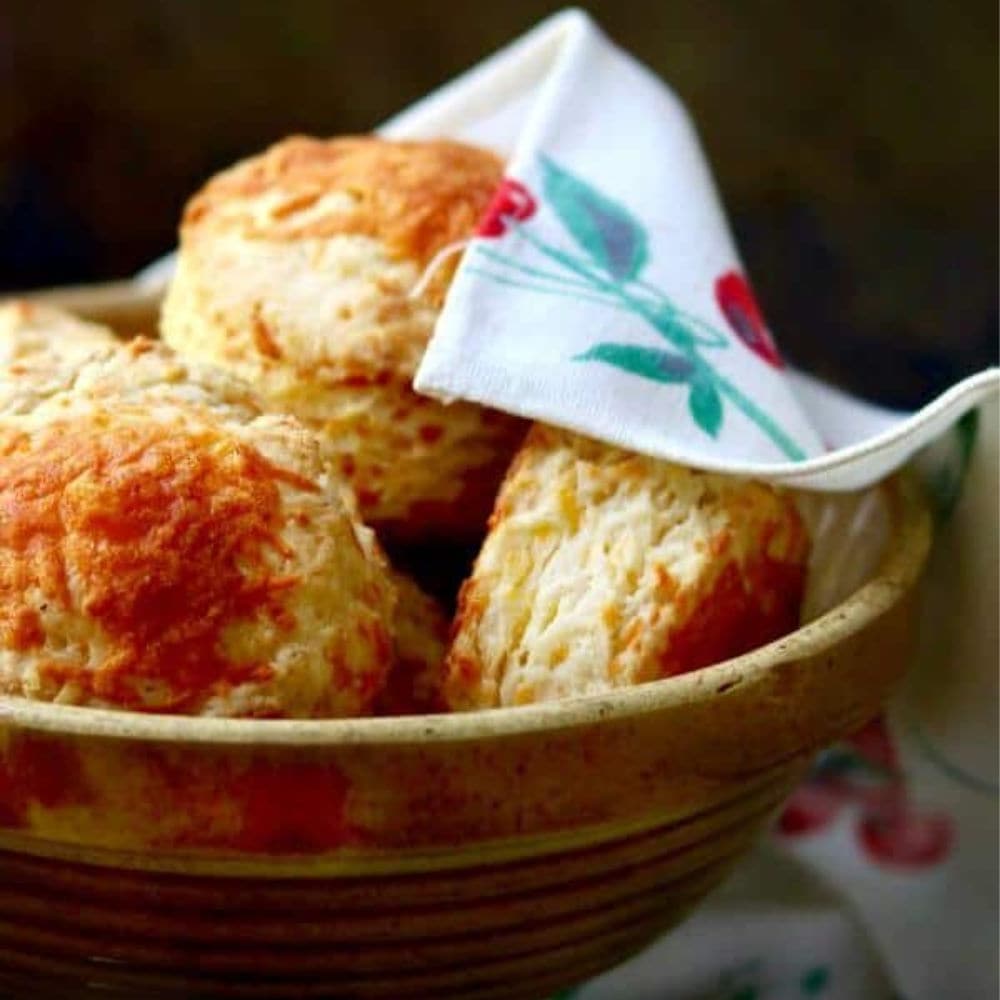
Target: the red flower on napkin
(736, 300)
(812, 807)
(511, 201)
(865, 773)
(894, 832)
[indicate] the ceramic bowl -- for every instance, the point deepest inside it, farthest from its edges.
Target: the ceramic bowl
(497, 854)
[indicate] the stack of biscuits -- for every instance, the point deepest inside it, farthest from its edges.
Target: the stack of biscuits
(199, 524)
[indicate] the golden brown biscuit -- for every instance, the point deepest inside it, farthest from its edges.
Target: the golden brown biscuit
(153, 557)
(295, 272)
(420, 637)
(604, 569)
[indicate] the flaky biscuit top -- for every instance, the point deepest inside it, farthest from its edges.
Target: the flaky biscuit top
(415, 198)
(155, 559)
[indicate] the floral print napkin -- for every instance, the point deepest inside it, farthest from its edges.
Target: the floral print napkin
(603, 291)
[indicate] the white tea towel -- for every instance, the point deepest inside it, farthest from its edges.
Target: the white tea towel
(603, 291)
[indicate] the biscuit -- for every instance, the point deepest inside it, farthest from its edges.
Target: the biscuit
(155, 557)
(32, 332)
(604, 569)
(130, 371)
(295, 271)
(39, 346)
(420, 635)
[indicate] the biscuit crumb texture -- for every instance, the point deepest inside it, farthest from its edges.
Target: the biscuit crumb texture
(295, 272)
(39, 346)
(32, 333)
(131, 371)
(604, 569)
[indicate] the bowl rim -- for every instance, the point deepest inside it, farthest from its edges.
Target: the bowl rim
(897, 572)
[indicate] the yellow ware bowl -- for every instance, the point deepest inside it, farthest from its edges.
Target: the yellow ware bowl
(507, 853)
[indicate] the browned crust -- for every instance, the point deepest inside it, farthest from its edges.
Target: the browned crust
(416, 197)
(166, 543)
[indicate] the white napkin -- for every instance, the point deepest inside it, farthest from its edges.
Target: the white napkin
(604, 293)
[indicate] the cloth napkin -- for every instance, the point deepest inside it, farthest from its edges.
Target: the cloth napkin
(603, 292)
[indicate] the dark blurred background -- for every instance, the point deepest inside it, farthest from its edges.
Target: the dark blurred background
(855, 142)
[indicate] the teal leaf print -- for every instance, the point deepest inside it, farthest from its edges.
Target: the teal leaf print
(814, 981)
(705, 405)
(615, 249)
(649, 362)
(666, 323)
(945, 482)
(613, 238)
